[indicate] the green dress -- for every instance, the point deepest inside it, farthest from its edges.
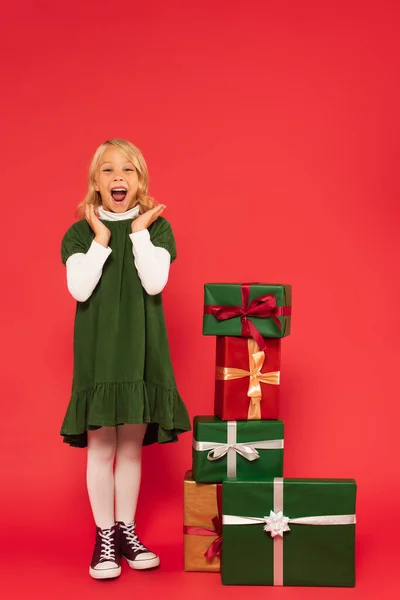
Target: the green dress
(122, 364)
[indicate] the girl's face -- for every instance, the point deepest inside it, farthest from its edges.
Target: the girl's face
(117, 181)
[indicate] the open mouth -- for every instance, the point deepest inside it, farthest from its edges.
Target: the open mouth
(118, 194)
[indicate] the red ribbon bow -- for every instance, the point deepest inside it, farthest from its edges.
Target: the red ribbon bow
(215, 548)
(262, 307)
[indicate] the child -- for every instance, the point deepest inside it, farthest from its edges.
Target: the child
(124, 393)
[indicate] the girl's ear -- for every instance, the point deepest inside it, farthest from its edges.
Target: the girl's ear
(96, 187)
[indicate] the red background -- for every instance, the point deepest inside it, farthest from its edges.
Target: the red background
(271, 132)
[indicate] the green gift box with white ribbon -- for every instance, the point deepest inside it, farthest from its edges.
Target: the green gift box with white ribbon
(295, 532)
(248, 450)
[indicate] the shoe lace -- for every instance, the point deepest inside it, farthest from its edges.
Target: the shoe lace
(107, 544)
(132, 538)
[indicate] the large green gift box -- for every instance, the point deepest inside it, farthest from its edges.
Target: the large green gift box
(249, 450)
(247, 310)
(298, 532)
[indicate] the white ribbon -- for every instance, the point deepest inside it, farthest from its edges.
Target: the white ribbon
(279, 518)
(277, 524)
(248, 450)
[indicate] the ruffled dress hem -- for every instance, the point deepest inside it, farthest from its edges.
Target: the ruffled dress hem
(120, 403)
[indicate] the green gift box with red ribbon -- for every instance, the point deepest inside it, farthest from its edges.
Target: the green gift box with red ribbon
(292, 532)
(254, 310)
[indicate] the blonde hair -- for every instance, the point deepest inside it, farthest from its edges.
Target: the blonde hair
(136, 158)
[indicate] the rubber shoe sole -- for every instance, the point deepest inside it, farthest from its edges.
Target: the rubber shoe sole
(105, 573)
(141, 565)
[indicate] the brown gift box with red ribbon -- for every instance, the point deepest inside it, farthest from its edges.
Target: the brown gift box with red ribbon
(202, 525)
(247, 379)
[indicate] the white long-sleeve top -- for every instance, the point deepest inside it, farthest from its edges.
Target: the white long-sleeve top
(152, 262)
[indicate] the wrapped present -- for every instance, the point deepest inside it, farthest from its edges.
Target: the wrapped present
(297, 532)
(244, 449)
(247, 310)
(202, 523)
(247, 379)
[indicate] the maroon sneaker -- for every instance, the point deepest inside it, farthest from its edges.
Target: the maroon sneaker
(106, 561)
(137, 556)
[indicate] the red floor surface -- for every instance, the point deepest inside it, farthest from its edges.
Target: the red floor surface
(60, 571)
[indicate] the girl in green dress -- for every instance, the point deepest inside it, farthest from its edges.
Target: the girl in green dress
(124, 394)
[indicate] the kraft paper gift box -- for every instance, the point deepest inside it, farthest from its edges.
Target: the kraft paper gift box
(295, 532)
(247, 379)
(247, 310)
(202, 523)
(243, 449)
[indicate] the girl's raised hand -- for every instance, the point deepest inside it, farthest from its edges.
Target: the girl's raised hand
(101, 232)
(145, 220)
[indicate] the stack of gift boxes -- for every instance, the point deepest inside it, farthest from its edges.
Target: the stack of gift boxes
(241, 517)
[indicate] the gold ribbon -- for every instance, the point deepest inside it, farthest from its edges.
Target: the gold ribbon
(256, 362)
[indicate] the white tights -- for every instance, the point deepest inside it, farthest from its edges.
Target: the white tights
(113, 493)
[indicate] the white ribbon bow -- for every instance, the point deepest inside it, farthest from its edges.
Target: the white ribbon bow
(245, 450)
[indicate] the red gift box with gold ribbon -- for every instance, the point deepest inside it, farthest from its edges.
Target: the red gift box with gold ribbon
(247, 379)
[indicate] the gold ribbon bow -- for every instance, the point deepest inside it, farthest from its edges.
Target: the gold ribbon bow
(256, 362)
